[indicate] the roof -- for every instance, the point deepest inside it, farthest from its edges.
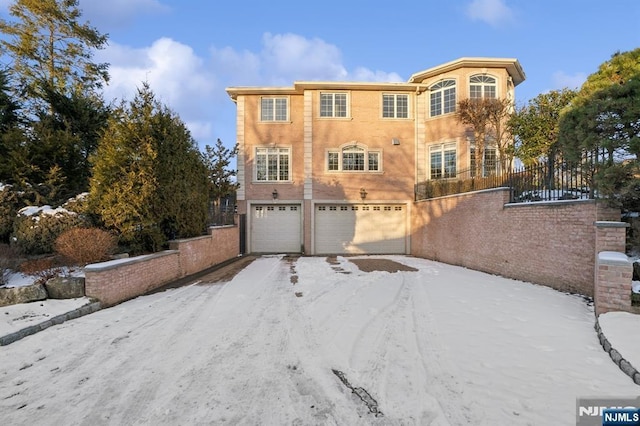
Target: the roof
(512, 66)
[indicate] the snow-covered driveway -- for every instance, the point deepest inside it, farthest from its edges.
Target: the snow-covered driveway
(437, 345)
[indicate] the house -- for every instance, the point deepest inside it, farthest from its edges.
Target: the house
(330, 167)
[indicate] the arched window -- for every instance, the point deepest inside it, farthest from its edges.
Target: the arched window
(354, 158)
(482, 86)
(442, 97)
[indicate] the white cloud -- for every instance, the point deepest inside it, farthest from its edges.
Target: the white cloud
(193, 86)
(493, 12)
(562, 80)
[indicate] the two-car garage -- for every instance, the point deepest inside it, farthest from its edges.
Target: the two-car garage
(337, 228)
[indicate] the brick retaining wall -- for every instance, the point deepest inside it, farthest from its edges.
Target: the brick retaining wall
(549, 243)
(613, 282)
(119, 280)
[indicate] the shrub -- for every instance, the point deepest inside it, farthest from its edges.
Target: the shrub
(42, 267)
(36, 233)
(85, 245)
(8, 262)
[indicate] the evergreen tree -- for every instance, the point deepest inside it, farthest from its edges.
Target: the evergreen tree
(536, 125)
(221, 178)
(149, 182)
(51, 50)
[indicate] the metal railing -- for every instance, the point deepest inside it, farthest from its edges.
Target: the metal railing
(540, 182)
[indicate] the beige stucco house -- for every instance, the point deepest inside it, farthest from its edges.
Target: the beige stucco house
(330, 167)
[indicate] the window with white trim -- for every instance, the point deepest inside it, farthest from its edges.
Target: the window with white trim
(272, 164)
(442, 96)
(490, 163)
(443, 160)
(395, 105)
(274, 109)
(482, 86)
(333, 105)
(354, 158)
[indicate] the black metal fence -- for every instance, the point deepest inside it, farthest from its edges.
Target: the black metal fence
(540, 182)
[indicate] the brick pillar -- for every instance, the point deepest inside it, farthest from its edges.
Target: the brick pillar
(613, 277)
(611, 236)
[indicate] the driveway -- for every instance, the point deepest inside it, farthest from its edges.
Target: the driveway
(383, 340)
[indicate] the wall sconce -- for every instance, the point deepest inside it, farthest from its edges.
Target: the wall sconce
(274, 194)
(363, 194)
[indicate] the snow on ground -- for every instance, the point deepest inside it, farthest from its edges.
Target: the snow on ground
(442, 345)
(16, 317)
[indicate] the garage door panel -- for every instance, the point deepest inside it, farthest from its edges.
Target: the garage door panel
(360, 229)
(276, 229)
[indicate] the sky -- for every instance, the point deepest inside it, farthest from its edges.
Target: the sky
(431, 344)
(189, 51)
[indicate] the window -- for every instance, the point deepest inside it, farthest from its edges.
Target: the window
(354, 158)
(442, 161)
(272, 164)
(395, 106)
(273, 109)
(490, 163)
(482, 86)
(443, 97)
(333, 105)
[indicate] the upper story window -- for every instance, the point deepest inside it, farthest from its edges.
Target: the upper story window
(274, 109)
(395, 106)
(333, 105)
(354, 158)
(273, 164)
(443, 97)
(482, 86)
(443, 161)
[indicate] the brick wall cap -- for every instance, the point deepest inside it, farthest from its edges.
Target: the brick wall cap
(611, 224)
(222, 226)
(112, 264)
(613, 257)
(550, 203)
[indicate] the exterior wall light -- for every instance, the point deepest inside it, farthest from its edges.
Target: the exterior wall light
(274, 194)
(363, 194)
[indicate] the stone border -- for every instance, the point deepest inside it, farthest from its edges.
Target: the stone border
(617, 358)
(59, 319)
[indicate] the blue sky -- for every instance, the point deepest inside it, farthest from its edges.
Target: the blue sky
(190, 50)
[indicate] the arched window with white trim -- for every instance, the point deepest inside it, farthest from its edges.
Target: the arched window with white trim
(442, 98)
(354, 157)
(482, 86)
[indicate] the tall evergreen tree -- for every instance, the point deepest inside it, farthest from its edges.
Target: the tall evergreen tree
(149, 182)
(221, 178)
(51, 49)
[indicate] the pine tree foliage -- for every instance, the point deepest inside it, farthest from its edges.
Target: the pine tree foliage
(51, 49)
(536, 125)
(221, 177)
(149, 182)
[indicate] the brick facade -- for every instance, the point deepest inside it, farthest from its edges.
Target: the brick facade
(547, 243)
(116, 281)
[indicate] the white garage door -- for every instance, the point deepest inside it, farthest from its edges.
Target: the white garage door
(360, 229)
(276, 229)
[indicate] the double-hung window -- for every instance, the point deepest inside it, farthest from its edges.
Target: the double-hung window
(442, 161)
(354, 158)
(482, 86)
(442, 98)
(333, 105)
(274, 109)
(489, 164)
(395, 106)
(273, 164)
